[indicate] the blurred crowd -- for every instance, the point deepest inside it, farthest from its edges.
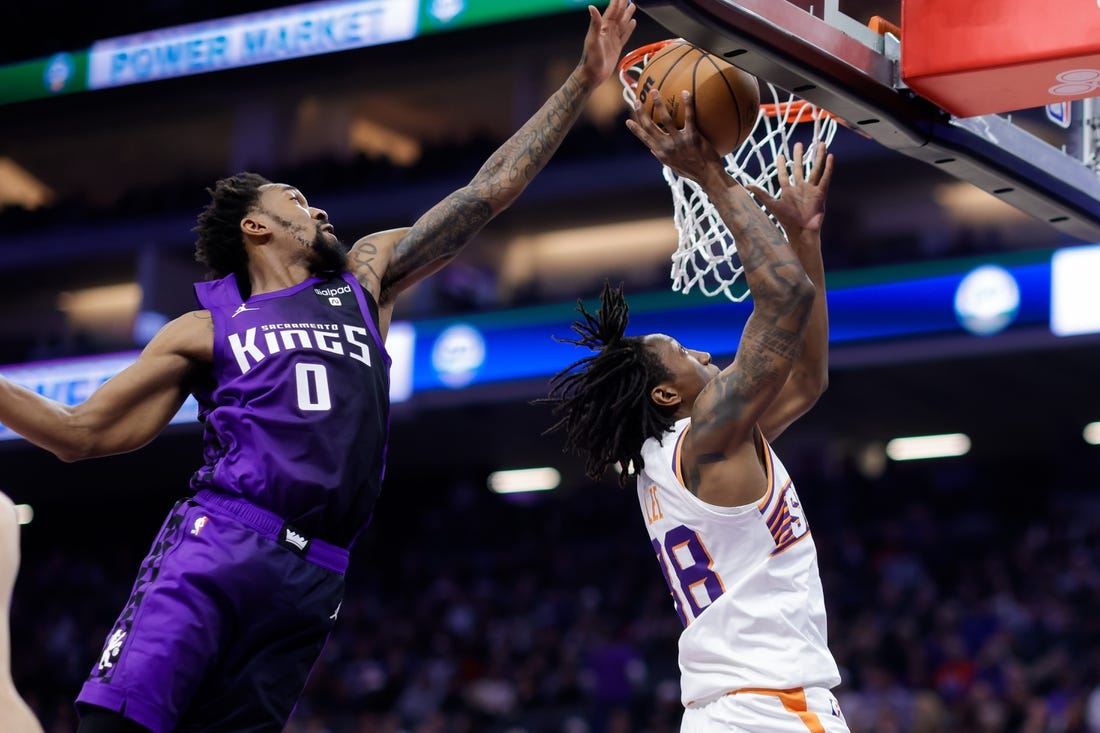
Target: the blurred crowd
(961, 600)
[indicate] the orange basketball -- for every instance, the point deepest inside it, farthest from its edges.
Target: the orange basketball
(727, 99)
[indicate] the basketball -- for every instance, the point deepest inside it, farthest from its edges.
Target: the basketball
(727, 99)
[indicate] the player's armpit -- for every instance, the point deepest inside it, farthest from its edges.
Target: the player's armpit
(370, 259)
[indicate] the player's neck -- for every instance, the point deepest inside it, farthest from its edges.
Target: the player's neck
(270, 280)
(268, 273)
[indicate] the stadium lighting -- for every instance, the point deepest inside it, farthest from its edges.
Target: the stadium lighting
(1092, 433)
(928, 446)
(524, 480)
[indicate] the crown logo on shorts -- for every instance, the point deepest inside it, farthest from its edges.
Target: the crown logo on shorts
(295, 539)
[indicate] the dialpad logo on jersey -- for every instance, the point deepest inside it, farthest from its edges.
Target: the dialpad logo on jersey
(333, 294)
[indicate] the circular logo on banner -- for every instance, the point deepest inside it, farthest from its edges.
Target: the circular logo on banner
(446, 10)
(987, 300)
(457, 354)
(1077, 82)
(59, 69)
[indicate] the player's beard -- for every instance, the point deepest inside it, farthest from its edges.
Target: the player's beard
(328, 256)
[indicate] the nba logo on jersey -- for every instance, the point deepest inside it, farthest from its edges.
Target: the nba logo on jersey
(335, 301)
(199, 524)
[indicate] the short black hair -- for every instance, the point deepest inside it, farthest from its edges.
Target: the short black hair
(219, 245)
(602, 401)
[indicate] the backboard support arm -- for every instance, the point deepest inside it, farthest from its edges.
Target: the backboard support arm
(782, 43)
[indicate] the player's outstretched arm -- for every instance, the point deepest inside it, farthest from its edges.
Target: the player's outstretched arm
(800, 208)
(128, 411)
(15, 715)
(447, 227)
(720, 459)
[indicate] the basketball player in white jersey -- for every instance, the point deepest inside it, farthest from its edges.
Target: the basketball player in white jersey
(724, 519)
(15, 715)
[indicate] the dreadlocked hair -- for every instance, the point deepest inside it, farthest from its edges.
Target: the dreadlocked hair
(602, 402)
(219, 245)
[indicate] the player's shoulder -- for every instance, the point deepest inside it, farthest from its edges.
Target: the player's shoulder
(190, 335)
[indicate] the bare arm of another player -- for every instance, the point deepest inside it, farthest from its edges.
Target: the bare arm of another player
(15, 715)
(800, 208)
(386, 265)
(720, 459)
(128, 411)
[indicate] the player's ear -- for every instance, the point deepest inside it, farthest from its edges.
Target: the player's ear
(665, 394)
(254, 225)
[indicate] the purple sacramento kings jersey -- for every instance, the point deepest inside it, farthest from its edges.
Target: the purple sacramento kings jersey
(296, 419)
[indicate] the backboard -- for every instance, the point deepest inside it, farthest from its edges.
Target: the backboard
(820, 52)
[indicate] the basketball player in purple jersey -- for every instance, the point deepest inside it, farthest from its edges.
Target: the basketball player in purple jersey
(729, 533)
(234, 602)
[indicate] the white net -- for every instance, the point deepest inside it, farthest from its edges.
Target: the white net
(706, 254)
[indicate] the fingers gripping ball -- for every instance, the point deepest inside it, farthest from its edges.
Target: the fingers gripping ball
(727, 99)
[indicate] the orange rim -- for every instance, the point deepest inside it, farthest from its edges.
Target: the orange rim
(795, 111)
(637, 56)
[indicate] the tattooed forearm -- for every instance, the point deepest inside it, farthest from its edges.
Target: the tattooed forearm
(521, 157)
(769, 339)
(436, 238)
(443, 231)
(774, 273)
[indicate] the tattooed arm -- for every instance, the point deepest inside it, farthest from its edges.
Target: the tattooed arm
(720, 455)
(387, 264)
(800, 208)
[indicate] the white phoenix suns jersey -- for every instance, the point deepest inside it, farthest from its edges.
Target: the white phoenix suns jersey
(743, 579)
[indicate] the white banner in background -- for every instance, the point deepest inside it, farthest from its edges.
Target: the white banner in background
(71, 381)
(1075, 291)
(254, 38)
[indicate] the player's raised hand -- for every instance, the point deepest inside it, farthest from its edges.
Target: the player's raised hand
(801, 201)
(607, 34)
(683, 149)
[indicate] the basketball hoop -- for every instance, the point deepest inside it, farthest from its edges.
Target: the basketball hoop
(706, 253)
